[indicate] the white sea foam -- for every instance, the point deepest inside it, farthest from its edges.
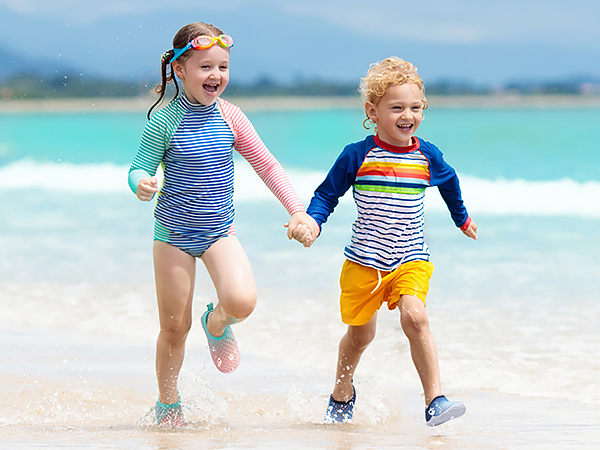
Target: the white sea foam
(64, 177)
(563, 197)
(538, 198)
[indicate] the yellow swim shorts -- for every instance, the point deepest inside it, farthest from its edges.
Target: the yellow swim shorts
(365, 289)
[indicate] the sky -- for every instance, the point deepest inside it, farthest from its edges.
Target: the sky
(476, 41)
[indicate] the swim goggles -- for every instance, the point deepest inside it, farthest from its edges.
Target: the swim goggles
(202, 43)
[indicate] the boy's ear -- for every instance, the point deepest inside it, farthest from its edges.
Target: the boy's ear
(371, 111)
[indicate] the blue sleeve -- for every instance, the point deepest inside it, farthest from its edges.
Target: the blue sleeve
(445, 178)
(340, 178)
(450, 192)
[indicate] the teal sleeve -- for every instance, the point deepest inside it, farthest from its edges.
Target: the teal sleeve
(135, 175)
(155, 140)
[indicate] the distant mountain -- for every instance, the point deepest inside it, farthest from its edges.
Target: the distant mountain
(14, 65)
(11, 64)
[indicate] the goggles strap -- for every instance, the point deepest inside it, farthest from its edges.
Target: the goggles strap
(178, 52)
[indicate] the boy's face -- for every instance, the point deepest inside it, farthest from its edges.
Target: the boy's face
(398, 114)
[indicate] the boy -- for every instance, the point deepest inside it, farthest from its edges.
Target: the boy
(387, 259)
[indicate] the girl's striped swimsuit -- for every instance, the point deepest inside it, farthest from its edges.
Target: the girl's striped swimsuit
(194, 143)
(389, 190)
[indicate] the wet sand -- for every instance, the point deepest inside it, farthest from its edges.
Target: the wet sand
(71, 390)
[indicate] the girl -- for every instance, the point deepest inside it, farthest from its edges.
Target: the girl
(193, 137)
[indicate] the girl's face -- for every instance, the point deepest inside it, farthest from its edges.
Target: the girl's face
(204, 75)
(398, 114)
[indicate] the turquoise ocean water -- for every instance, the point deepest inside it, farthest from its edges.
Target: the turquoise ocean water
(515, 314)
(534, 144)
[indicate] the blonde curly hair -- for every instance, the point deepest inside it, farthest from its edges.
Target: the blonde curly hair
(392, 71)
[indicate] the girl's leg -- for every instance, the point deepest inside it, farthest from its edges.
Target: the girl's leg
(352, 346)
(415, 324)
(230, 271)
(175, 273)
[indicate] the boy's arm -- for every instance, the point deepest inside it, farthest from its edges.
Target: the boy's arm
(326, 197)
(445, 178)
(470, 229)
(450, 192)
(340, 178)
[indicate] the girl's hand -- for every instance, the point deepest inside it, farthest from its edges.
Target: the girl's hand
(303, 235)
(471, 230)
(146, 189)
(303, 228)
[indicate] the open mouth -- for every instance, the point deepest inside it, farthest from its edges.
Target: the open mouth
(405, 127)
(211, 89)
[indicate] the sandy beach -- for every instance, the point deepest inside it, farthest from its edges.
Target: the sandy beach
(90, 391)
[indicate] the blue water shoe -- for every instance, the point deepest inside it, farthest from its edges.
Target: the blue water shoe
(340, 412)
(440, 411)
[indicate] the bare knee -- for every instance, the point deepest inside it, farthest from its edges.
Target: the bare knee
(360, 338)
(414, 321)
(176, 331)
(239, 305)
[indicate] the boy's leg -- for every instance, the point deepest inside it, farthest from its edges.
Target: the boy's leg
(230, 271)
(175, 273)
(351, 348)
(415, 323)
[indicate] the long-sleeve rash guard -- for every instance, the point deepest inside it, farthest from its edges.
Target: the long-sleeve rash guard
(389, 185)
(194, 143)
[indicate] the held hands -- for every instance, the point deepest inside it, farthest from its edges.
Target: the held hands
(303, 228)
(146, 189)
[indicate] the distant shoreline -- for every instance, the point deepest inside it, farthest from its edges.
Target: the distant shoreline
(141, 104)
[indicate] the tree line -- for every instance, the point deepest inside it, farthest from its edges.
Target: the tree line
(73, 85)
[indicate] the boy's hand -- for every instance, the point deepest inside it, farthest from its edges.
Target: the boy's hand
(303, 228)
(471, 230)
(304, 235)
(146, 189)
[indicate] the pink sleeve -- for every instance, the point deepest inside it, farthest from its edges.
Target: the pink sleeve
(250, 146)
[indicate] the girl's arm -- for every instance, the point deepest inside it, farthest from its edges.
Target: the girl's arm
(142, 180)
(251, 147)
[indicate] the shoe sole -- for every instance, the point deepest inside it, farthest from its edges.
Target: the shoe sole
(454, 412)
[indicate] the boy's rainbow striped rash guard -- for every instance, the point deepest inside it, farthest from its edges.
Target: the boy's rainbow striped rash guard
(194, 143)
(388, 185)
